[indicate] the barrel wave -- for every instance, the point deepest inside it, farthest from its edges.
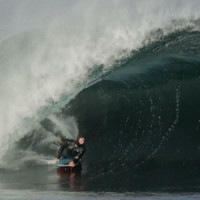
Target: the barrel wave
(145, 114)
(141, 116)
(125, 77)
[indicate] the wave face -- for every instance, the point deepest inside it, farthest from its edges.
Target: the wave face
(127, 81)
(145, 114)
(148, 107)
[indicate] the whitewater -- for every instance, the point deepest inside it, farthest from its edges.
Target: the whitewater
(64, 63)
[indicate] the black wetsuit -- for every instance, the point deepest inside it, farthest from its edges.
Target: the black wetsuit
(71, 149)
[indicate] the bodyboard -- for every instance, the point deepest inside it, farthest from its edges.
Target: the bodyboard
(65, 162)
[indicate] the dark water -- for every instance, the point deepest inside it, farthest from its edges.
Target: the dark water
(142, 120)
(141, 123)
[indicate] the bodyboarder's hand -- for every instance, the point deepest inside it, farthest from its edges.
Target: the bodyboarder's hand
(57, 159)
(72, 164)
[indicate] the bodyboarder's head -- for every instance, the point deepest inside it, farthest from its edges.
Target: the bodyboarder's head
(81, 140)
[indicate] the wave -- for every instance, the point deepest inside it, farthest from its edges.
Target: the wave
(143, 111)
(51, 77)
(147, 109)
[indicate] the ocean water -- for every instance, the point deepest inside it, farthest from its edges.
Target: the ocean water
(125, 75)
(18, 195)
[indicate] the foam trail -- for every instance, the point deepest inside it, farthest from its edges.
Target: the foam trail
(51, 162)
(68, 127)
(37, 67)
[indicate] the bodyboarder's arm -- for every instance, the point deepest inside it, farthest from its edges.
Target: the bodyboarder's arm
(79, 155)
(61, 150)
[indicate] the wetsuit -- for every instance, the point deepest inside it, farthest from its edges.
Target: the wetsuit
(71, 149)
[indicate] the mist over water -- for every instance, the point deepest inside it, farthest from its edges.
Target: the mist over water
(132, 58)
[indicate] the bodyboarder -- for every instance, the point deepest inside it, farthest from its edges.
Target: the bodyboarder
(71, 149)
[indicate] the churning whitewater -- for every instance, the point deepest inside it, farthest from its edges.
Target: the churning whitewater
(123, 74)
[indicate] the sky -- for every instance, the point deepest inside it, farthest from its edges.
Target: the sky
(18, 15)
(24, 14)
